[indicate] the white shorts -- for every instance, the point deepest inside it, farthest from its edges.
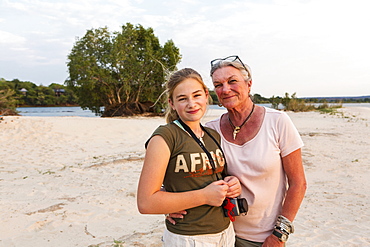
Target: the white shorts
(226, 238)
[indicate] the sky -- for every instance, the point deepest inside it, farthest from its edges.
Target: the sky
(314, 48)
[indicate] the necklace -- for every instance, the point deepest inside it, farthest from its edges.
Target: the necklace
(201, 137)
(237, 128)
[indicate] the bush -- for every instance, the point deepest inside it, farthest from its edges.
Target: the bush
(298, 105)
(7, 102)
(326, 108)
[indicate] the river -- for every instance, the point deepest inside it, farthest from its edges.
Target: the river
(77, 111)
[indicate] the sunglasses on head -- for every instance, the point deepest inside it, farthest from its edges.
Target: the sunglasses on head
(230, 59)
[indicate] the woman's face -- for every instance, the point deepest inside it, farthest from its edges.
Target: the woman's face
(231, 88)
(189, 99)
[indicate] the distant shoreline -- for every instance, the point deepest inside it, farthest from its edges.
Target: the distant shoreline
(77, 111)
(25, 106)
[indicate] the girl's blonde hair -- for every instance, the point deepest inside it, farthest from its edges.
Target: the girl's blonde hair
(175, 79)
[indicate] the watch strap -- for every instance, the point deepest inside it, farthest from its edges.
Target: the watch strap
(279, 235)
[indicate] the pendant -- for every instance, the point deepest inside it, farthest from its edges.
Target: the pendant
(236, 131)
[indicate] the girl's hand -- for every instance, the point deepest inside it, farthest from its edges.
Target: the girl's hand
(215, 193)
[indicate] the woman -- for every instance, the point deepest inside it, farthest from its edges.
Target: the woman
(192, 180)
(263, 149)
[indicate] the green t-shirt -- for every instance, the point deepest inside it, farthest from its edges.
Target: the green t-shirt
(189, 169)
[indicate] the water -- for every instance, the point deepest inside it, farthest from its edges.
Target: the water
(356, 105)
(221, 107)
(76, 111)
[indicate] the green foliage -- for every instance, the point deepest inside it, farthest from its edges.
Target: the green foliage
(294, 104)
(275, 101)
(258, 99)
(214, 97)
(326, 108)
(25, 93)
(7, 101)
(120, 69)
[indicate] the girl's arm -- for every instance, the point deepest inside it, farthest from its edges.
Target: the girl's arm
(151, 200)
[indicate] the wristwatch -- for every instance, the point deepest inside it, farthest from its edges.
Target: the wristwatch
(281, 236)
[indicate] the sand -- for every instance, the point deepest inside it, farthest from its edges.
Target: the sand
(71, 181)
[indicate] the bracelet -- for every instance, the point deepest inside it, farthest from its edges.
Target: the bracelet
(284, 225)
(282, 230)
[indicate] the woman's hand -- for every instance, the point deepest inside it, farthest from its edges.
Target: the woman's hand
(272, 241)
(235, 188)
(178, 215)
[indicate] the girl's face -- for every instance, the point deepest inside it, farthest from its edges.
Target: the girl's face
(189, 100)
(231, 88)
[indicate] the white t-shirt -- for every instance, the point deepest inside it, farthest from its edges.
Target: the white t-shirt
(257, 164)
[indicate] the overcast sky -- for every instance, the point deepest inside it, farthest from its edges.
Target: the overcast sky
(311, 47)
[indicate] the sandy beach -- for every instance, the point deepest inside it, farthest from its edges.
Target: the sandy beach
(71, 181)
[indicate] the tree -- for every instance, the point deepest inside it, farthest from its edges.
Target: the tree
(214, 97)
(258, 99)
(295, 104)
(275, 101)
(7, 102)
(25, 93)
(120, 71)
(63, 96)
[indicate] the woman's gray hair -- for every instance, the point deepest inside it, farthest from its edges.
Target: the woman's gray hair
(243, 68)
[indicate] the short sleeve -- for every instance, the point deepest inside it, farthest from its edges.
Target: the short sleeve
(289, 138)
(165, 132)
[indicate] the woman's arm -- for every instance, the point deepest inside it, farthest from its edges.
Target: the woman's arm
(151, 200)
(293, 167)
(294, 170)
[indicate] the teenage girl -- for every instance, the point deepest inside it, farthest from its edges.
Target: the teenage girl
(186, 159)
